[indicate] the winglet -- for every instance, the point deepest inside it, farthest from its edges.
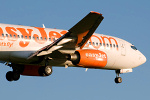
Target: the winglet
(96, 12)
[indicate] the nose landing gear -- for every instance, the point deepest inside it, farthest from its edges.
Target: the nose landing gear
(118, 79)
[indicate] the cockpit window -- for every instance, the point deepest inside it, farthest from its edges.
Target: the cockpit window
(133, 47)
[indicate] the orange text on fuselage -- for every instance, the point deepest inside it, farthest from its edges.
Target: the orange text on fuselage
(12, 35)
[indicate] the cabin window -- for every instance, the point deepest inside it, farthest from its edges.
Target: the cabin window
(2, 35)
(93, 43)
(25, 37)
(117, 46)
(96, 43)
(110, 45)
(107, 45)
(37, 38)
(53, 39)
(114, 45)
(104, 44)
(29, 37)
(89, 43)
(49, 39)
(6, 35)
(41, 38)
(33, 38)
(14, 36)
(18, 36)
(22, 36)
(100, 44)
(10, 35)
(45, 38)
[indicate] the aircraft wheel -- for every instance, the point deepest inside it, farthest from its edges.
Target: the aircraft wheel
(16, 76)
(9, 76)
(48, 70)
(12, 76)
(118, 80)
(45, 71)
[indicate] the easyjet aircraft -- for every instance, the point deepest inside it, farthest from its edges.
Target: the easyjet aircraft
(33, 51)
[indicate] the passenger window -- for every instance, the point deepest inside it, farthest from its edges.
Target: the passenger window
(14, 36)
(18, 36)
(45, 38)
(33, 38)
(96, 43)
(93, 43)
(37, 38)
(49, 39)
(89, 43)
(117, 46)
(29, 37)
(114, 45)
(2, 35)
(22, 36)
(41, 38)
(110, 45)
(6, 35)
(104, 44)
(100, 44)
(10, 35)
(25, 37)
(53, 39)
(107, 45)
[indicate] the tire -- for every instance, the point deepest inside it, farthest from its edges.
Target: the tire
(16, 76)
(9, 76)
(118, 80)
(48, 70)
(45, 71)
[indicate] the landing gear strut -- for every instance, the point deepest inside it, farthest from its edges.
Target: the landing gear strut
(118, 79)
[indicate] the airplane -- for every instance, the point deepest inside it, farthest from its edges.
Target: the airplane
(32, 51)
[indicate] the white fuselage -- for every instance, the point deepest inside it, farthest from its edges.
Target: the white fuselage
(18, 42)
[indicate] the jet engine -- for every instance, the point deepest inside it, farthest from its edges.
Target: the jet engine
(89, 58)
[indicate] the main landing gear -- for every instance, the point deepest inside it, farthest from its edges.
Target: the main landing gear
(45, 71)
(27, 70)
(118, 79)
(12, 76)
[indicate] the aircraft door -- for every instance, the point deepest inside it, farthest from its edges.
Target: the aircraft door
(123, 48)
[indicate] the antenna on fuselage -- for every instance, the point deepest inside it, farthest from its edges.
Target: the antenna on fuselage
(43, 25)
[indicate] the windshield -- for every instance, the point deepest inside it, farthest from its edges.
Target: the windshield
(133, 47)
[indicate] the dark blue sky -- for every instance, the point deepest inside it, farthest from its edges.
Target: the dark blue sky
(128, 19)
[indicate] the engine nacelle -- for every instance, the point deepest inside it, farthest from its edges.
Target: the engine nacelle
(89, 58)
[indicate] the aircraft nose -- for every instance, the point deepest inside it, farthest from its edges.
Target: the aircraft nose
(142, 59)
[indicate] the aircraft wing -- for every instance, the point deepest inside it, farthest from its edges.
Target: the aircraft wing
(76, 37)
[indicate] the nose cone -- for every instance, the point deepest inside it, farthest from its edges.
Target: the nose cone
(142, 59)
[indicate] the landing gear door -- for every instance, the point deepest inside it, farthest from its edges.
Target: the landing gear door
(123, 48)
